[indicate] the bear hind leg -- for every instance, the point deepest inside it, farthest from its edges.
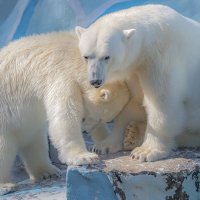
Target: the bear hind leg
(36, 159)
(8, 152)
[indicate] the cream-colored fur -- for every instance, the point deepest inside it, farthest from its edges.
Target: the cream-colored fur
(44, 78)
(132, 136)
(132, 112)
(102, 105)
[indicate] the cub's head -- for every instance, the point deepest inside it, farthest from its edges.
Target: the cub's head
(105, 51)
(108, 100)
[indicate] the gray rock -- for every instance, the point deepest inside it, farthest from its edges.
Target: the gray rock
(175, 178)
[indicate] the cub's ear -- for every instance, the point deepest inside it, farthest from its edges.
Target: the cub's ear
(105, 95)
(128, 33)
(79, 31)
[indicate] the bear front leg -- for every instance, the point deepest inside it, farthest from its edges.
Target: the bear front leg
(163, 126)
(67, 137)
(65, 113)
(99, 132)
(133, 111)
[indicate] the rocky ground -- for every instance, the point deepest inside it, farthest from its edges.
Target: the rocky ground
(182, 160)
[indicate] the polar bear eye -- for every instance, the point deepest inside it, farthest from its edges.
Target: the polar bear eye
(86, 57)
(106, 57)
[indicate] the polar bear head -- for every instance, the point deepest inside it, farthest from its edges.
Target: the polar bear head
(106, 51)
(106, 102)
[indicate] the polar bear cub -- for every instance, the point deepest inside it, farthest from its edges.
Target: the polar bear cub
(44, 78)
(162, 47)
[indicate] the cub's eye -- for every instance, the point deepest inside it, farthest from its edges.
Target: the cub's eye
(86, 57)
(107, 58)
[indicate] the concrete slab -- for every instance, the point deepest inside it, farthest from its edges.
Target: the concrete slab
(175, 178)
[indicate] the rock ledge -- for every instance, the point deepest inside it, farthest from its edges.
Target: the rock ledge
(119, 177)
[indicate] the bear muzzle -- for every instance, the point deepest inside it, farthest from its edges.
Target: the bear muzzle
(96, 83)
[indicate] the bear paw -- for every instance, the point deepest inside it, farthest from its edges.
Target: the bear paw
(46, 173)
(83, 159)
(148, 153)
(109, 145)
(132, 138)
(6, 188)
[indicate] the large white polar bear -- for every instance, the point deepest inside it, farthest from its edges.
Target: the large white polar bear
(162, 47)
(45, 78)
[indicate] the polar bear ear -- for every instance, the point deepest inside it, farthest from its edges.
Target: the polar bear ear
(129, 32)
(105, 95)
(79, 31)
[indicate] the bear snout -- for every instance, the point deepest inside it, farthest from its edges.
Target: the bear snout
(96, 83)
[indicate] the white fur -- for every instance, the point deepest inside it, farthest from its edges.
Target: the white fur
(44, 78)
(164, 53)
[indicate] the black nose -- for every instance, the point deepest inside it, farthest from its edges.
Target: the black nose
(96, 83)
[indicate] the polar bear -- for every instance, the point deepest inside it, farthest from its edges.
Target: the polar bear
(162, 47)
(102, 105)
(133, 112)
(42, 78)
